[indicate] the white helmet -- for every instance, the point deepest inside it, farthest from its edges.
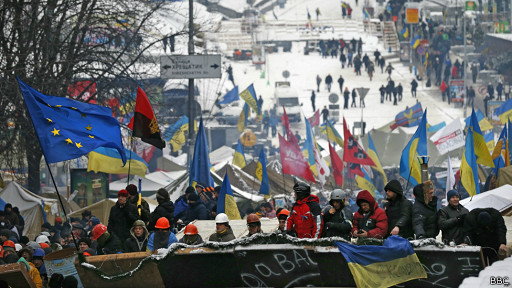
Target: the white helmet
(221, 218)
(42, 239)
(18, 247)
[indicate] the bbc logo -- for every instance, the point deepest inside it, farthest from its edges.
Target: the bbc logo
(501, 281)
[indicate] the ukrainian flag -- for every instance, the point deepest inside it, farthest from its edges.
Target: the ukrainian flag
(468, 167)
(261, 174)
(482, 121)
(500, 155)
(405, 32)
(242, 120)
(226, 202)
(309, 148)
(372, 153)
(333, 135)
(249, 96)
(108, 160)
(382, 266)
(366, 183)
(365, 13)
(175, 134)
(480, 147)
(417, 146)
(504, 111)
(489, 141)
(415, 41)
(239, 157)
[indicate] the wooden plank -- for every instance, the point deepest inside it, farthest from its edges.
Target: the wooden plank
(16, 276)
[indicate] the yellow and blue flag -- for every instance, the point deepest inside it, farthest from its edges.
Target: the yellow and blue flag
(239, 157)
(68, 129)
(500, 155)
(309, 148)
(108, 160)
(410, 117)
(415, 42)
(372, 153)
(482, 121)
(396, 257)
(405, 32)
(365, 13)
(425, 59)
(366, 183)
(333, 135)
(261, 174)
(226, 202)
(480, 147)
(468, 166)
(242, 119)
(489, 141)
(200, 165)
(249, 96)
(417, 146)
(175, 134)
(231, 96)
(504, 111)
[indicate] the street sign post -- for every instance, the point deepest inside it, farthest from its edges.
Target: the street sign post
(190, 66)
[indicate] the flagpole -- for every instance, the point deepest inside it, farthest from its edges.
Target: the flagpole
(130, 159)
(408, 178)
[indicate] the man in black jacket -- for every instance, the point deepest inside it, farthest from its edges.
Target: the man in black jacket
(451, 218)
(398, 209)
(165, 208)
(337, 217)
(196, 210)
(107, 243)
(133, 198)
(122, 215)
(424, 217)
(485, 227)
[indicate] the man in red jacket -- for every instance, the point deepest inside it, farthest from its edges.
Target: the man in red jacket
(304, 220)
(369, 221)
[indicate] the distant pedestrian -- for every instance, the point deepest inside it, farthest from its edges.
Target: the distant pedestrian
(371, 69)
(499, 89)
(325, 114)
(318, 82)
(260, 103)
(395, 92)
(360, 46)
(361, 101)
(414, 86)
(346, 96)
(444, 90)
(382, 91)
(377, 55)
(313, 99)
(317, 11)
(340, 82)
(400, 91)
(230, 75)
(471, 96)
(382, 64)
(354, 95)
(353, 42)
(343, 60)
(389, 69)
(328, 82)
(490, 90)
(474, 72)
(350, 55)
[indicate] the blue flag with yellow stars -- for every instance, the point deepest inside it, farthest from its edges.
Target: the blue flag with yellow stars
(68, 129)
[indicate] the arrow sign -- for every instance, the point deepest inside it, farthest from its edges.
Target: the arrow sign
(190, 66)
(362, 92)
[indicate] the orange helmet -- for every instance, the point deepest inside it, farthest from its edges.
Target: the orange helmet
(44, 245)
(98, 230)
(284, 212)
(162, 223)
(9, 243)
(87, 254)
(191, 229)
(252, 218)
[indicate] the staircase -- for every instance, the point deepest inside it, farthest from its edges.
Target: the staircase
(389, 37)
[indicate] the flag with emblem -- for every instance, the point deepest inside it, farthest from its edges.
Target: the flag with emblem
(410, 117)
(353, 152)
(68, 129)
(144, 123)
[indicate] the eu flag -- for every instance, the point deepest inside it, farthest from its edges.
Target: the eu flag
(200, 165)
(68, 129)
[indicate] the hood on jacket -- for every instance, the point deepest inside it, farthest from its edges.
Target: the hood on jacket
(420, 190)
(146, 232)
(395, 186)
(167, 206)
(366, 196)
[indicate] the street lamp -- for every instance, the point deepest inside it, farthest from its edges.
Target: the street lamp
(424, 167)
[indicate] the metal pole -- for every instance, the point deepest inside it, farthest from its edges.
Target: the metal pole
(464, 67)
(190, 81)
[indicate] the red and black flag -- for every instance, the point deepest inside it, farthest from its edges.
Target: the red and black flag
(144, 123)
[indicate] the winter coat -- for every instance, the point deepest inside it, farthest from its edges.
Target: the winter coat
(328, 79)
(121, 220)
(305, 218)
(492, 237)
(161, 239)
(166, 210)
(399, 212)
(226, 236)
(112, 245)
(337, 224)
(375, 222)
(136, 244)
(195, 211)
(424, 217)
(450, 222)
(145, 213)
(32, 272)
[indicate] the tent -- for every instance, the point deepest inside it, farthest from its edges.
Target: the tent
(101, 209)
(499, 198)
(31, 207)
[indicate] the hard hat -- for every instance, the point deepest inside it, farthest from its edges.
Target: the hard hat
(338, 194)
(98, 230)
(162, 223)
(283, 212)
(252, 218)
(42, 239)
(301, 188)
(9, 243)
(221, 218)
(17, 246)
(191, 229)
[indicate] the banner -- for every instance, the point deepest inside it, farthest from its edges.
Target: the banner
(293, 161)
(449, 138)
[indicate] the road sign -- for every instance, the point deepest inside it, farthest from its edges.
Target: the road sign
(421, 50)
(286, 74)
(333, 98)
(362, 92)
(482, 90)
(190, 66)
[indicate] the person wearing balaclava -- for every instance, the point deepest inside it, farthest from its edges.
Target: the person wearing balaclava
(305, 216)
(485, 227)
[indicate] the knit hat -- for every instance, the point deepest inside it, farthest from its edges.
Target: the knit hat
(95, 221)
(193, 197)
(58, 220)
(451, 193)
(137, 223)
(122, 192)
(190, 189)
(483, 219)
(394, 186)
(162, 194)
(132, 189)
